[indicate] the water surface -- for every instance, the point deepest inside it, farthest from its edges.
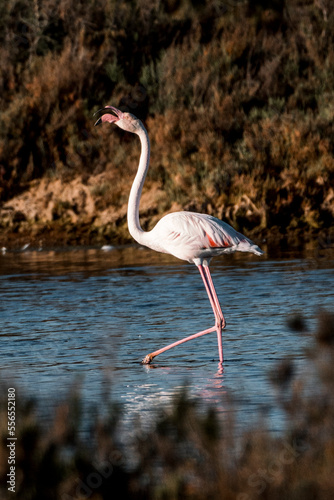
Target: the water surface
(88, 317)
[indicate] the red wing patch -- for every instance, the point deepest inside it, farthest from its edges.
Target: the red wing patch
(213, 244)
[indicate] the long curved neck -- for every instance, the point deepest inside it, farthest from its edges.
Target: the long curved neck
(133, 205)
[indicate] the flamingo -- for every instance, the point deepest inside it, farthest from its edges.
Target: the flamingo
(189, 236)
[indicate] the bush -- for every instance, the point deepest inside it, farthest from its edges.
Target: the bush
(230, 93)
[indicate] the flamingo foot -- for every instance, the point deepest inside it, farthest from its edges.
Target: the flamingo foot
(147, 360)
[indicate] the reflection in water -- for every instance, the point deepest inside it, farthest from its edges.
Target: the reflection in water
(88, 317)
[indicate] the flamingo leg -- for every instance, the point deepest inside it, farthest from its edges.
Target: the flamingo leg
(215, 297)
(219, 319)
(147, 360)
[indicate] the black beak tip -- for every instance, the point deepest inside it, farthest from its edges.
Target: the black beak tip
(98, 122)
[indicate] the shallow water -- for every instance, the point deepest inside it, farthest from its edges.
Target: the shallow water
(87, 317)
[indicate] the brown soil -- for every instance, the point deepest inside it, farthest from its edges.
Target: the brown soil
(58, 213)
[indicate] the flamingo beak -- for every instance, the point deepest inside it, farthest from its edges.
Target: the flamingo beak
(107, 117)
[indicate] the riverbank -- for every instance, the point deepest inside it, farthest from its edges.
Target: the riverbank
(53, 213)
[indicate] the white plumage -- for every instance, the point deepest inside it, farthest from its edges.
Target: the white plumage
(189, 236)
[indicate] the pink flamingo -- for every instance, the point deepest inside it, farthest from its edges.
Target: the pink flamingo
(188, 236)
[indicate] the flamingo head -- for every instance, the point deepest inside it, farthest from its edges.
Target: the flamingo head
(125, 121)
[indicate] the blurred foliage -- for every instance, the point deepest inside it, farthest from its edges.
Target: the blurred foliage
(186, 451)
(237, 96)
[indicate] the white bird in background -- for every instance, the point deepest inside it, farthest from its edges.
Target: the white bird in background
(186, 235)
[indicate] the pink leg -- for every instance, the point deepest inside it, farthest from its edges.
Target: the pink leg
(208, 275)
(219, 319)
(147, 360)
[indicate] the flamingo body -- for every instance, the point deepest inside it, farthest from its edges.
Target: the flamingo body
(188, 236)
(197, 237)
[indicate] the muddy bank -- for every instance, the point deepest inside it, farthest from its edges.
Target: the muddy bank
(70, 213)
(56, 213)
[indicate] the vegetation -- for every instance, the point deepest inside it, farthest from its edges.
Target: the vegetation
(237, 96)
(185, 453)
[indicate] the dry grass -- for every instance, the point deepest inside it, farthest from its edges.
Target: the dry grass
(237, 96)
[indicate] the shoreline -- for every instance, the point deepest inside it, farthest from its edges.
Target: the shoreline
(67, 236)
